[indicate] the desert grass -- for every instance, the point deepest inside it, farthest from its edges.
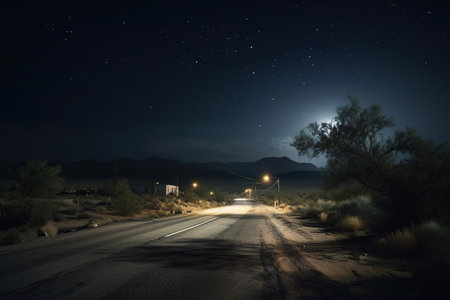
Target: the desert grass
(351, 223)
(323, 217)
(399, 241)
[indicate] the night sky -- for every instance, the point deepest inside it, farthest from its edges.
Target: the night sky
(205, 81)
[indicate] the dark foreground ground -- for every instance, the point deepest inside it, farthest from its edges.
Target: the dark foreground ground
(242, 251)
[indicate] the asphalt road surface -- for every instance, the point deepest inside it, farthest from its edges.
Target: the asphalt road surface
(221, 253)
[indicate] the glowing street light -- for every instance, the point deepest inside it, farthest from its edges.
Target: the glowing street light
(211, 193)
(194, 185)
(266, 178)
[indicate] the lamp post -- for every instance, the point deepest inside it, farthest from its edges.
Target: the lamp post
(266, 178)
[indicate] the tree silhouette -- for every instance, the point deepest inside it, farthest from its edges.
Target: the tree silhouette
(401, 170)
(37, 178)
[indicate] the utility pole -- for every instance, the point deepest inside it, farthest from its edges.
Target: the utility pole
(279, 199)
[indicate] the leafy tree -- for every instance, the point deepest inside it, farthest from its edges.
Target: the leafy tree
(124, 200)
(37, 178)
(118, 187)
(394, 169)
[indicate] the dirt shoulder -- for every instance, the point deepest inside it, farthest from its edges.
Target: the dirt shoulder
(315, 262)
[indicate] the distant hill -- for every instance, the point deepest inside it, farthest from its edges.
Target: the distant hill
(153, 166)
(169, 171)
(269, 165)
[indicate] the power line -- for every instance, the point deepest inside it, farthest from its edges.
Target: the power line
(270, 186)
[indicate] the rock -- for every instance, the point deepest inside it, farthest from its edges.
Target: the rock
(93, 224)
(363, 256)
(41, 232)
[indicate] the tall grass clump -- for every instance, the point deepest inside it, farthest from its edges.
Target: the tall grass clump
(352, 214)
(323, 217)
(360, 206)
(351, 223)
(398, 242)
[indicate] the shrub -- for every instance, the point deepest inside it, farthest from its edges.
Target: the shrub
(400, 241)
(38, 179)
(406, 175)
(128, 204)
(118, 187)
(30, 212)
(191, 196)
(312, 209)
(124, 200)
(11, 236)
(433, 239)
(351, 223)
(323, 216)
(433, 267)
(360, 206)
(154, 204)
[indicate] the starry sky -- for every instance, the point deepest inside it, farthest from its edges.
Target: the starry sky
(205, 81)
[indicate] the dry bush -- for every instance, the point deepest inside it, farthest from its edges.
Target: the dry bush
(312, 208)
(351, 223)
(323, 216)
(399, 241)
(286, 207)
(153, 204)
(162, 213)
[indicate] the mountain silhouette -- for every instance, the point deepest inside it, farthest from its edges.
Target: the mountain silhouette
(227, 175)
(155, 166)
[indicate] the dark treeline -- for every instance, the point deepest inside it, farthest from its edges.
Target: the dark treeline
(406, 175)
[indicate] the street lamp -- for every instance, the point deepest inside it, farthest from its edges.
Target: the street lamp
(248, 192)
(194, 185)
(266, 178)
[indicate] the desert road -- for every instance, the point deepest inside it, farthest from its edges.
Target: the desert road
(232, 252)
(216, 254)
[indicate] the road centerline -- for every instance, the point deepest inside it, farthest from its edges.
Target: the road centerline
(191, 227)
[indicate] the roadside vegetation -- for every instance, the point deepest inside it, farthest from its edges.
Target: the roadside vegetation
(390, 184)
(38, 202)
